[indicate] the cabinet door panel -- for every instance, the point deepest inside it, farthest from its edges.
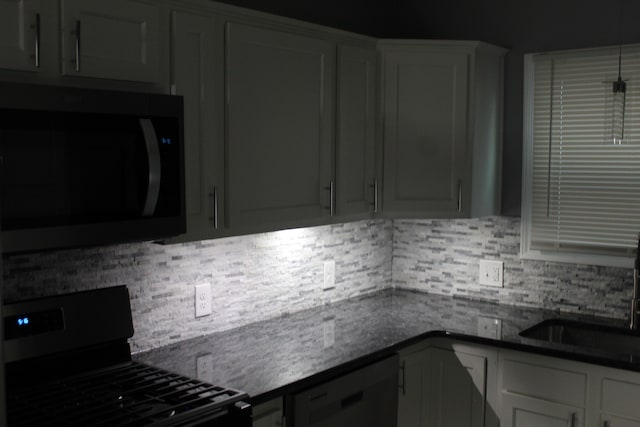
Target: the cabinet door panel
(554, 383)
(197, 76)
(410, 390)
(613, 421)
(519, 411)
(355, 129)
(621, 398)
(425, 130)
(18, 34)
(119, 39)
(279, 97)
(455, 385)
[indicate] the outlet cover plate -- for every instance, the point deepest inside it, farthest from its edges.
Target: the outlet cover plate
(204, 368)
(329, 332)
(489, 328)
(203, 299)
(490, 273)
(329, 281)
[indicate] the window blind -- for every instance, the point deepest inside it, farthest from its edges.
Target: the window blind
(585, 195)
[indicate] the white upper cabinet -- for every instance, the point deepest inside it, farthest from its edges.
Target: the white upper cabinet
(425, 126)
(20, 34)
(115, 39)
(197, 75)
(279, 93)
(441, 111)
(355, 131)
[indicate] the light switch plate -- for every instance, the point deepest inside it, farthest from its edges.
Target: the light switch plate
(203, 299)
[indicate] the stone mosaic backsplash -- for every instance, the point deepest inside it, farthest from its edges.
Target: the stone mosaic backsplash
(441, 256)
(268, 275)
(253, 277)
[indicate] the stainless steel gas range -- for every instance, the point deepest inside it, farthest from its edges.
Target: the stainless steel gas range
(68, 363)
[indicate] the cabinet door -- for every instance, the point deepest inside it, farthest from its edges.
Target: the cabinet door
(355, 139)
(279, 94)
(198, 50)
(425, 131)
(363, 398)
(519, 411)
(115, 39)
(410, 389)
(542, 391)
(20, 22)
(455, 389)
(619, 400)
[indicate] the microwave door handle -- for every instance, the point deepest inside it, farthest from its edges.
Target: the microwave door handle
(153, 155)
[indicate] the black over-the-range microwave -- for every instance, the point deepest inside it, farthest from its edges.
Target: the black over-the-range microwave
(83, 167)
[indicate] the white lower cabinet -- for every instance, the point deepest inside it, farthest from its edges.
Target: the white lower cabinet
(619, 398)
(413, 363)
(541, 391)
(523, 412)
(447, 384)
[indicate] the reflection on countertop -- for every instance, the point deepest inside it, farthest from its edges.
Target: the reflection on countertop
(279, 355)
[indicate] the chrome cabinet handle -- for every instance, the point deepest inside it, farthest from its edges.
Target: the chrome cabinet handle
(153, 155)
(374, 186)
(402, 370)
(77, 33)
(213, 217)
(459, 195)
(37, 42)
(574, 419)
(332, 195)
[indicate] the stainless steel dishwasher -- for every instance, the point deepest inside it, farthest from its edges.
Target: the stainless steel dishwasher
(365, 397)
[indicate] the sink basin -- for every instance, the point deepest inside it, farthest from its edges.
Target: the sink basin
(586, 335)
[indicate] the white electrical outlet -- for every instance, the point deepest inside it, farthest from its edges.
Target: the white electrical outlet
(203, 300)
(489, 328)
(204, 368)
(329, 332)
(329, 275)
(490, 273)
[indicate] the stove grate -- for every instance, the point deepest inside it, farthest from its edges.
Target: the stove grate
(131, 394)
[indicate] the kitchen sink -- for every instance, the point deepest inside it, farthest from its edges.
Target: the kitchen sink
(587, 335)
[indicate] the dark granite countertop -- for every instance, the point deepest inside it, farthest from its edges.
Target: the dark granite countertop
(284, 354)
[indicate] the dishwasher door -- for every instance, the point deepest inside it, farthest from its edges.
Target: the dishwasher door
(366, 397)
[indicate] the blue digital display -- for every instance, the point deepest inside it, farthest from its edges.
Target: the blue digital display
(27, 324)
(167, 141)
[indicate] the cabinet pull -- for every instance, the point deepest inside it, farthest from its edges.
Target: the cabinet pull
(459, 195)
(332, 195)
(374, 186)
(574, 419)
(606, 424)
(77, 34)
(37, 42)
(402, 377)
(213, 217)
(351, 400)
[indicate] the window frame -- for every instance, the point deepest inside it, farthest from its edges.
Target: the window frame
(526, 252)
